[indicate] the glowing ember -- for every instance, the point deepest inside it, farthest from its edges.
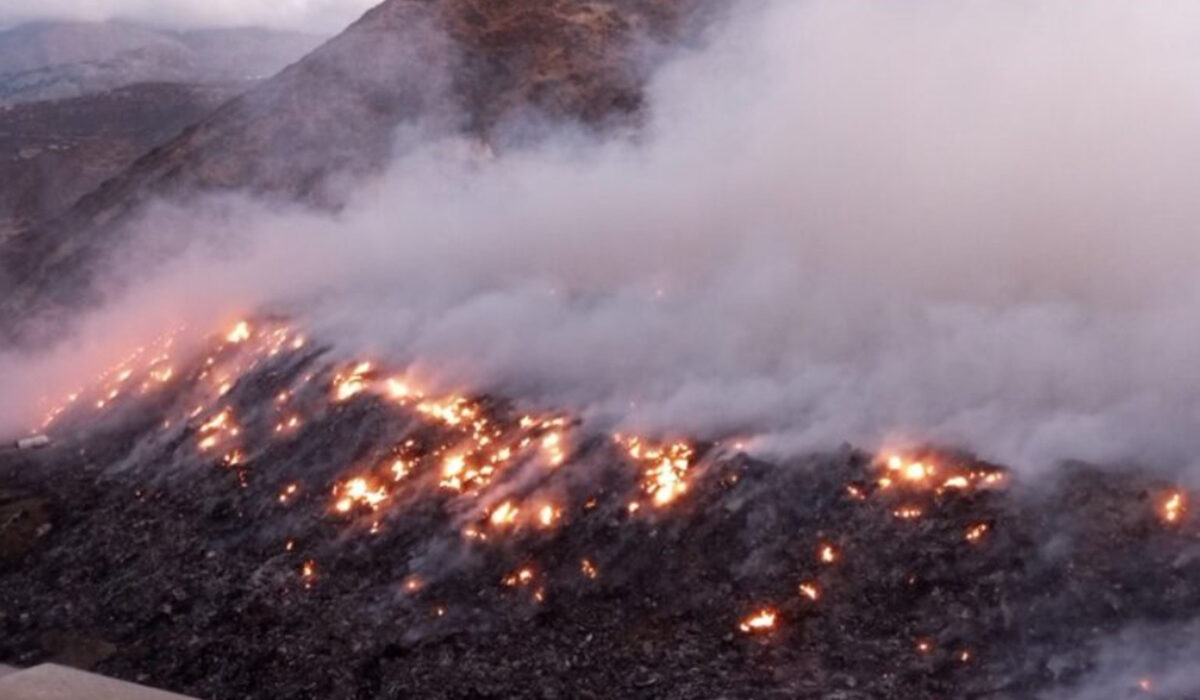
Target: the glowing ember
(924, 646)
(520, 578)
(665, 467)
(588, 569)
(827, 554)
(810, 591)
(240, 333)
(956, 482)
(761, 621)
(976, 532)
(917, 471)
(552, 445)
(917, 474)
(358, 491)
(504, 514)
(1173, 507)
(547, 515)
(352, 384)
(907, 513)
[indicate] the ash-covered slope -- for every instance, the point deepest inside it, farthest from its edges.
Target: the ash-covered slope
(255, 518)
(456, 66)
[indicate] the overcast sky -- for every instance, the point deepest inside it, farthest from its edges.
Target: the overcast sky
(322, 16)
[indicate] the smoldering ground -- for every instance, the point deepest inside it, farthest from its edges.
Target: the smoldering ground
(843, 221)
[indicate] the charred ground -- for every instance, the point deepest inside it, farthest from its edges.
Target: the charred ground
(246, 566)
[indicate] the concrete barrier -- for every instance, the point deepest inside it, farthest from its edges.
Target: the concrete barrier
(53, 682)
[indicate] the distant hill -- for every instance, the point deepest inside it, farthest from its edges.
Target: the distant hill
(53, 152)
(55, 60)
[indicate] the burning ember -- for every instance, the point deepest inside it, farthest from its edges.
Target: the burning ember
(1173, 507)
(358, 492)
(666, 467)
(761, 621)
(976, 532)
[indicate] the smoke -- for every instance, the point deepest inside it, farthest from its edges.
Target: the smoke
(1140, 661)
(310, 15)
(846, 220)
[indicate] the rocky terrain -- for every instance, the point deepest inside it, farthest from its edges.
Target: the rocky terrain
(265, 521)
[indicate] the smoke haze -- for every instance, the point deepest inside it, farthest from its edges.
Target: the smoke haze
(846, 220)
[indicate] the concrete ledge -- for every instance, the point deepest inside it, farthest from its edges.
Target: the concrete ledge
(52, 682)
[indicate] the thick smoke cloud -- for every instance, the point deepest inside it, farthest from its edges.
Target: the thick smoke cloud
(322, 16)
(847, 220)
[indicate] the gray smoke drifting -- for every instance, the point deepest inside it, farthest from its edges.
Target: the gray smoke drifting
(1140, 662)
(847, 220)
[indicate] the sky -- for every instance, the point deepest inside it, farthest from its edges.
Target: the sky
(318, 16)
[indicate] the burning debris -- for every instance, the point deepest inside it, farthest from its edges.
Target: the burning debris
(434, 516)
(761, 621)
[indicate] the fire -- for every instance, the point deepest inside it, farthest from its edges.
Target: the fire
(522, 577)
(240, 333)
(810, 591)
(359, 491)
(552, 445)
(400, 469)
(761, 621)
(665, 467)
(919, 474)
(1173, 507)
(917, 471)
(828, 554)
(976, 532)
(504, 514)
(399, 390)
(547, 515)
(346, 386)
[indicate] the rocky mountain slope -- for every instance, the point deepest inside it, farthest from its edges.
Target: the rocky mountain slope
(54, 152)
(456, 66)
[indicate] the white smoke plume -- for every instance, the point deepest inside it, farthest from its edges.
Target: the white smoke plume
(847, 220)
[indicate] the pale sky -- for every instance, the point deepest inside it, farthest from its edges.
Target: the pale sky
(320, 16)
